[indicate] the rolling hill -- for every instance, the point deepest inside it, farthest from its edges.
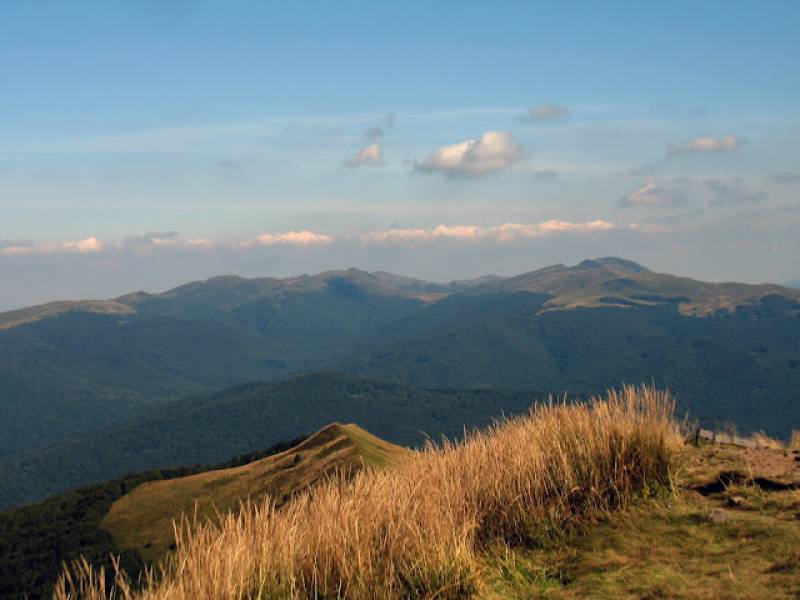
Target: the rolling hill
(74, 370)
(133, 516)
(142, 519)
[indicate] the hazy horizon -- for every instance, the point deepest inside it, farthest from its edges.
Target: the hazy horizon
(161, 283)
(145, 145)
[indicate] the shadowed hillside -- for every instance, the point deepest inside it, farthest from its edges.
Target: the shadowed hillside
(82, 366)
(211, 428)
(728, 351)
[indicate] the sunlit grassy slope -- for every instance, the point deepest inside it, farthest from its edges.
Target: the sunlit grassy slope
(420, 529)
(39, 538)
(143, 519)
(599, 501)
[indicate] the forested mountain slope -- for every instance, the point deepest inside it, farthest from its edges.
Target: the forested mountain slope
(727, 350)
(212, 428)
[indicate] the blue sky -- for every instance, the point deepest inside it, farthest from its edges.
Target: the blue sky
(146, 143)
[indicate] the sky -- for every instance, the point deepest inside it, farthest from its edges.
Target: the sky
(146, 144)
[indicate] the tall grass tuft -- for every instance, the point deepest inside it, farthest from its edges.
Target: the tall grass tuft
(416, 530)
(762, 440)
(794, 441)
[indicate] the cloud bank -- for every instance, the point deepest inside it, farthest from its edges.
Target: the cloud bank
(291, 238)
(507, 232)
(151, 242)
(707, 144)
(493, 151)
(88, 245)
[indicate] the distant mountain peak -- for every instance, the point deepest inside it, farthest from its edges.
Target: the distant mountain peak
(224, 279)
(613, 262)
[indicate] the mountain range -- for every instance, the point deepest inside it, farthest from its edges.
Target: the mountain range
(82, 382)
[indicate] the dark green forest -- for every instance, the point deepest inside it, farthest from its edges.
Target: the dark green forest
(85, 397)
(211, 428)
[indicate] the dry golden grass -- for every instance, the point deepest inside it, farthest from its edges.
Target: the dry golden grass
(142, 519)
(417, 530)
(762, 440)
(794, 441)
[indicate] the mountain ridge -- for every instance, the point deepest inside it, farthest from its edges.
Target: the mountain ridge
(724, 348)
(580, 285)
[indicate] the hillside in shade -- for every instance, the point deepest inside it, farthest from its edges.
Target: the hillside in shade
(247, 418)
(71, 371)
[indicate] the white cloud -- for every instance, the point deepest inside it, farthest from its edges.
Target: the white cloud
(452, 232)
(733, 191)
(145, 243)
(154, 240)
(494, 151)
(370, 156)
(295, 238)
(16, 247)
(706, 144)
(657, 194)
(507, 232)
(84, 246)
(548, 112)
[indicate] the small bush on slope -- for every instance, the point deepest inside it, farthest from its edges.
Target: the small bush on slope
(415, 531)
